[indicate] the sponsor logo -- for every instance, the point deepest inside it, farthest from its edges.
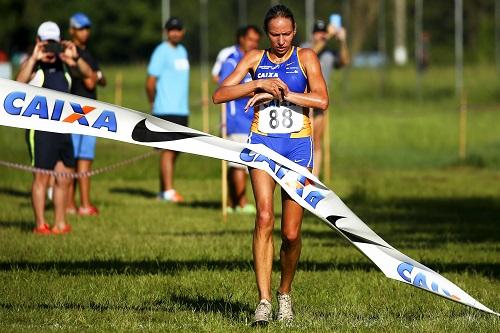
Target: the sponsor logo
(419, 279)
(16, 104)
(267, 67)
(142, 133)
(312, 198)
(277, 103)
(266, 75)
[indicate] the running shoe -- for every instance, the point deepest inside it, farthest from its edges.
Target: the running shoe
(285, 311)
(263, 313)
(170, 196)
(247, 209)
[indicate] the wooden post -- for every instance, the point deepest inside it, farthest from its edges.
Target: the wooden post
(224, 164)
(205, 109)
(204, 63)
(462, 150)
(118, 88)
(327, 173)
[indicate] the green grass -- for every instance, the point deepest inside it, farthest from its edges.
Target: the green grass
(144, 265)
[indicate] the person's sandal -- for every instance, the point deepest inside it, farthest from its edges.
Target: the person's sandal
(88, 211)
(58, 231)
(44, 229)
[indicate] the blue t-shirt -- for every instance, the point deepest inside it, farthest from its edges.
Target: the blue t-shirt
(170, 66)
(237, 120)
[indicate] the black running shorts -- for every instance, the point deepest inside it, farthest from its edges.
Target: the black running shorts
(46, 149)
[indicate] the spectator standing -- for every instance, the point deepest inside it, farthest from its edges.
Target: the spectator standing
(329, 59)
(224, 53)
(49, 66)
(83, 145)
(167, 87)
(238, 120)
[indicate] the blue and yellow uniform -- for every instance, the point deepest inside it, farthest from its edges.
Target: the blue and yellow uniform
(284, 127)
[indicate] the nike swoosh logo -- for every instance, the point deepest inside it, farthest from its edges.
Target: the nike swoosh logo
(352, 237)
(297, 161)
(143, 134)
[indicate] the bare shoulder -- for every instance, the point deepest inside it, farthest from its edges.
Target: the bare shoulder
(253, 57)
(307, 54)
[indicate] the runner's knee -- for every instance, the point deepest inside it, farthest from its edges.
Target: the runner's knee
(264, 221)
(290, 236)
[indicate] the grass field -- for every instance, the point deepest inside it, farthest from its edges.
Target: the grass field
(144, 265)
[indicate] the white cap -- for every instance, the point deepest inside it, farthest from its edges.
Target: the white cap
(49, 31)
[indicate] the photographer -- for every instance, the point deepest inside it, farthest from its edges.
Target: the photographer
(329, 59)
(48, 67)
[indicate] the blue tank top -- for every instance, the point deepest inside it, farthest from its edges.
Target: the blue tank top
(292, 73)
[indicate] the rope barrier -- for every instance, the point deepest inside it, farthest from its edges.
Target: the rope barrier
(74, 175)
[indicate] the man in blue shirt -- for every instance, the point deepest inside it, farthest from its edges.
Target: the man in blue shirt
(167, 87)
(238, 120)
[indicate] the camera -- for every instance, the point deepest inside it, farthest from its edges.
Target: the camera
(53, 47)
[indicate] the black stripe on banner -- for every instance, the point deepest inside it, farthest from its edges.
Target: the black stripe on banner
(143, 134)
(352, 237)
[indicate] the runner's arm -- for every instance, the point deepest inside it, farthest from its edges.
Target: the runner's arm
(232, 89)
(318, 96)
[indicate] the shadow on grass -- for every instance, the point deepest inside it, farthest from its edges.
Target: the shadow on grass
(429, 222)
(133, 191)
(147, 194)
(172, 267)
(158, 305)
(25, 226)
(228, 308)
(14, 192)
(216, 205)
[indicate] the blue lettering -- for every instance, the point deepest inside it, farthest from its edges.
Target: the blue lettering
(38, 106)
(58, 107)
(420, 281)
(262, 158)
(404, 268)
(8, 103)
(302, 180)
(313, 198)
(106, 119)
(282, 171)
(77, 108)
(434, 286)
(247, 155)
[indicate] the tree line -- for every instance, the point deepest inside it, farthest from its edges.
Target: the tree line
(128, 30)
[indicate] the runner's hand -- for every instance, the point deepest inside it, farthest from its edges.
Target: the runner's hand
(258, 99)
(275, 87)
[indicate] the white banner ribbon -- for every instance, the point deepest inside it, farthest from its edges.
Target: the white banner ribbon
(26, 106)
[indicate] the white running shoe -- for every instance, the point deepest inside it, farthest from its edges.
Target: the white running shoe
(285, 310)
(263, 313)
(171, 196)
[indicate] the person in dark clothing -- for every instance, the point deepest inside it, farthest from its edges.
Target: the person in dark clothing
(48, 67)
(83, 145)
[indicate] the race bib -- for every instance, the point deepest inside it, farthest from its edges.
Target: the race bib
(280, 118)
